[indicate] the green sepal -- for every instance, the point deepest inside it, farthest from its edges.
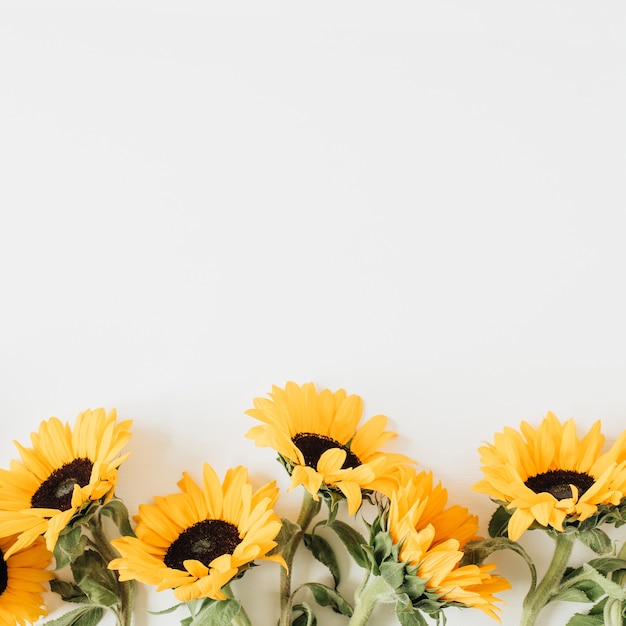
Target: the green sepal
(608, 514)
(393, 573)
(83, 616)
(326, 596)
(382, 546)
(408, 615)
(306, 617)
(324, 553)
(412, 586)
(70, 545)
(83, 517)
(332, 498)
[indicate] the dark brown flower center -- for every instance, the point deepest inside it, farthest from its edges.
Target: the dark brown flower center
(559, 482)
(202, 542)
(313, 446)
(4, 573)
(56, 491)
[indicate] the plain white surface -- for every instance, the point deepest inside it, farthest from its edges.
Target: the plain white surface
(420, 203)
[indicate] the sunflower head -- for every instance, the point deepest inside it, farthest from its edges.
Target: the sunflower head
(421, 540)
(548, 477)
(23, 577)
(199, 539)
(64, 472)
(318, 440)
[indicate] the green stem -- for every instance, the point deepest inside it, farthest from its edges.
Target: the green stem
(613, 607)
(310, 508)
(363, 583)
(108, 553)
(540, 596)
(378, 591)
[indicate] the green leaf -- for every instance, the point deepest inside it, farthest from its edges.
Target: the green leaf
(573, 594)
(591, 589)
(324, 553)
(598, 609)
(325, 596)
(83, 616)
(70, 545)
(612, 589)
(220, 613)
(117, 511)
(286, 535)
(69, 592)
(596, 539)
(499, 522)
(354, 543)
(92, 576)
(586, 620)
(306, 618)
(608, 565)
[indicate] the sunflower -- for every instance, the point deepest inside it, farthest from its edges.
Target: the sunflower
(197, 540)
(430, 538)
(448, 521)
(550, 476)
(64, 470)
(22, 578)
(315, 434)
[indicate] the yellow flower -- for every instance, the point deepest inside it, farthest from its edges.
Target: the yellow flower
(64, 470)
(22, 581)
(417, 491)
(316, 434)
(431, 538)
(550, 476)
(197, 540)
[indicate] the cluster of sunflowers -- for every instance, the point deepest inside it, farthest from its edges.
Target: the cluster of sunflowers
(418, 555)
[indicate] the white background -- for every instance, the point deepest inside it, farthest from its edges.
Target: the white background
(421, 203)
